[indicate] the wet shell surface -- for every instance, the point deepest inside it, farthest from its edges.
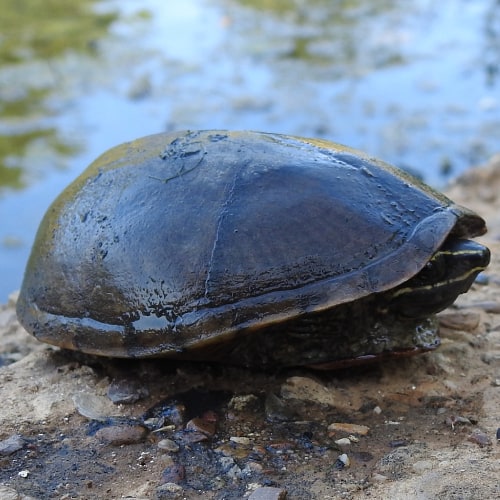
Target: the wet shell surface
(247, 248)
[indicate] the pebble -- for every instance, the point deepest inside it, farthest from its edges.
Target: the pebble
(231, 469)
(189, 437)
(268, 493)
(230, 450)
(11, 444)
(199, 429)
(94, 407)
(126, 391)
(168, 445)
(254, 467)
(468, 321)
(343, 442)
(454, 420)
(173, 474)
(342, 462)
(277, 409)
(240, 440)
(117, 435)
(361, 430)
(206, 427)
(169, 490)
(480, 438)
(307, 390)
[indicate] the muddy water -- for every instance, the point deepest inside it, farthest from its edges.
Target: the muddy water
(415, 84)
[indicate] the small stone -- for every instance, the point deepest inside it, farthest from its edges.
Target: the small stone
(126, 391)
(342, 462)
(117, 435)
(23, 473)
(230, 468)
(168, 491)
(306, 390)
(206, 427)
(361, 430)
(229, 450)
(377, 410)
(278, 409)
(467, 321)
(254, 467)
(455, 420)
(175, 413)
(480, 438)
(94, 407)
(343, 442)
(190, 437)
(240, 440)
(268, 493)
(173, 474)
(11, 444)
(168, 445)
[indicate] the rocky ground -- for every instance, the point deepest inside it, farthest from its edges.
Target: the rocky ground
(419, 428)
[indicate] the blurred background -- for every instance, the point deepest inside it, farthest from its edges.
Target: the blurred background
(414, 83)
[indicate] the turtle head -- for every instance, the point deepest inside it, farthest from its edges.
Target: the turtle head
(449, 272)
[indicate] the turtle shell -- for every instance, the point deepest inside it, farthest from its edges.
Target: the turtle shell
(174, 243)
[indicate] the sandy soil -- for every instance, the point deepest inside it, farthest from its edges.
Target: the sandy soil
(419, 428)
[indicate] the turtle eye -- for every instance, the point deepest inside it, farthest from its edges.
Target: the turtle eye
(433, 272)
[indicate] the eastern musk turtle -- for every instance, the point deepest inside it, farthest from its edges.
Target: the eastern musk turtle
(247, 248)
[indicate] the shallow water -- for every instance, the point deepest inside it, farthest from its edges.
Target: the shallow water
(414, 83)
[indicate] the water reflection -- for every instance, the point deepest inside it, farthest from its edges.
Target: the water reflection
(36, 38)
(348, 35)
(357, 36)
(492, 43)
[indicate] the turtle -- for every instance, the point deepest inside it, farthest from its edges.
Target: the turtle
(249, 248)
